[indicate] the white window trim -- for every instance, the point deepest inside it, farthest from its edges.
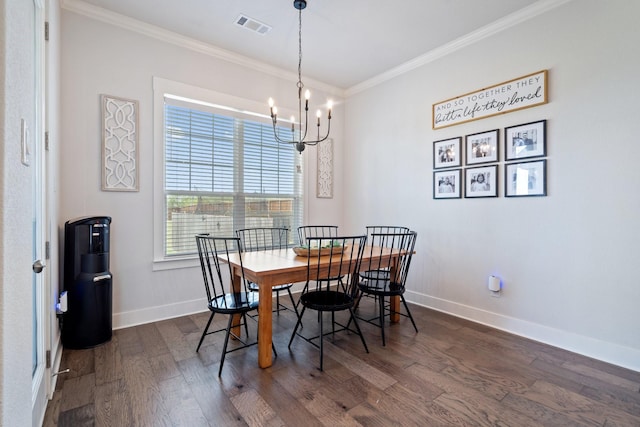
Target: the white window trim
(162, 87)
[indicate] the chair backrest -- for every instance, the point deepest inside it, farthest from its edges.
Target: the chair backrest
(335, 257)
(389, 252)
(217, 274)
(307, 231)
(385, 229)
(262, 238)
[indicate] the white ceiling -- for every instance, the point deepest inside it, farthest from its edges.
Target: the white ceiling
(344, 42)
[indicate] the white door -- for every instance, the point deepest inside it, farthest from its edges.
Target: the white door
(36, 159)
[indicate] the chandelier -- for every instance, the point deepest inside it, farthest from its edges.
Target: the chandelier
(300, 140)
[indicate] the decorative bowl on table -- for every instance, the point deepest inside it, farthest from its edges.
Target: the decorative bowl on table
(312, 252)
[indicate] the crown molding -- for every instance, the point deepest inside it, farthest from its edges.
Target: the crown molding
(94, 12)
(538, 8)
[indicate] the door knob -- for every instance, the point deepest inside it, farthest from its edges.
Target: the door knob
(38, 266)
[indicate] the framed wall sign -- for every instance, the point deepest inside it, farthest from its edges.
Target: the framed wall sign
(447, 184)
(447, 153)
(525, 141)
(522, 92)
(525, 179)
(481, 182)
(482, 147)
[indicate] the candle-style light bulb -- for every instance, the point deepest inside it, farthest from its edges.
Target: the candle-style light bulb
(318, 115)
(329, 107)
(293, 123)
(274, 113)
(271, 106)
(307, 94)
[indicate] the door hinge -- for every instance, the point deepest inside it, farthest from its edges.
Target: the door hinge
(46, 141)
(47, 250)
(48, 357)
(46, 31)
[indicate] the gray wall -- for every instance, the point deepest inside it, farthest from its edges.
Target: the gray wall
(567, 260)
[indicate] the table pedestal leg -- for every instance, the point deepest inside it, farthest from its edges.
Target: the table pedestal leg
(265, 327)
(237, 319)
(395, 308)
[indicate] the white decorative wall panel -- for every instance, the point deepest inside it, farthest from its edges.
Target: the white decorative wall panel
(325, 170)
(119, 144)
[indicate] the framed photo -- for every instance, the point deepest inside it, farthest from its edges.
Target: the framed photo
(447, 153)
(481, 182)
(447, 184)
(482, 147)
(524, 141)
(525, 179)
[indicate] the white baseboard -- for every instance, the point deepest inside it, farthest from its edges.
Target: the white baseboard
(169, 311)
(155, 314)
(602, 350)
(55, 365)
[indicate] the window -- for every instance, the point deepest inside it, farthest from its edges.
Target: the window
(223, 170)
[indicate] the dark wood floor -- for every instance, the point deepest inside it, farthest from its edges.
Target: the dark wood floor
(453, 372)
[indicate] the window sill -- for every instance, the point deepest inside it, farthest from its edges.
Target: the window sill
(175, 263)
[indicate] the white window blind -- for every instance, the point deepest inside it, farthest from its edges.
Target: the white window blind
(225, 171)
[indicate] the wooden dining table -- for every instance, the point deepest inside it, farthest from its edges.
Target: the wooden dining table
(272, 267)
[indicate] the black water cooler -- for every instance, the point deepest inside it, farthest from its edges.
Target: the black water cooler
(87, 282)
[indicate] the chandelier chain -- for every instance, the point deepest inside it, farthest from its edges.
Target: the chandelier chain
(300, 85)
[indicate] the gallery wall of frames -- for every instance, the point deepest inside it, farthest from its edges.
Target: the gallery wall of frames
(471, 165)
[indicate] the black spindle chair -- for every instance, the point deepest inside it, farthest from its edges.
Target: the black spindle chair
(380, 229)
(307, 231)
(386, 273)
(221, 297)
(323, 293)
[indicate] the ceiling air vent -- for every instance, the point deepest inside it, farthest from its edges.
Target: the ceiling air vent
(253, 25)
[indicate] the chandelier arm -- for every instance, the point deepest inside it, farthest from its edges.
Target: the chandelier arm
(280, 140)
(306, 126)
(324, 138)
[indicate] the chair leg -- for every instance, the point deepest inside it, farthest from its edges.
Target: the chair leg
(205, 331)
(246, 328)
(226, 341)
(297, 324)
(278, 303)
(358, 298)
(355, 322)
(381, 305)
(409, 312)
(356, 305)
(333, 325)
(293, 303)
(321, 340)
(306, 286)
